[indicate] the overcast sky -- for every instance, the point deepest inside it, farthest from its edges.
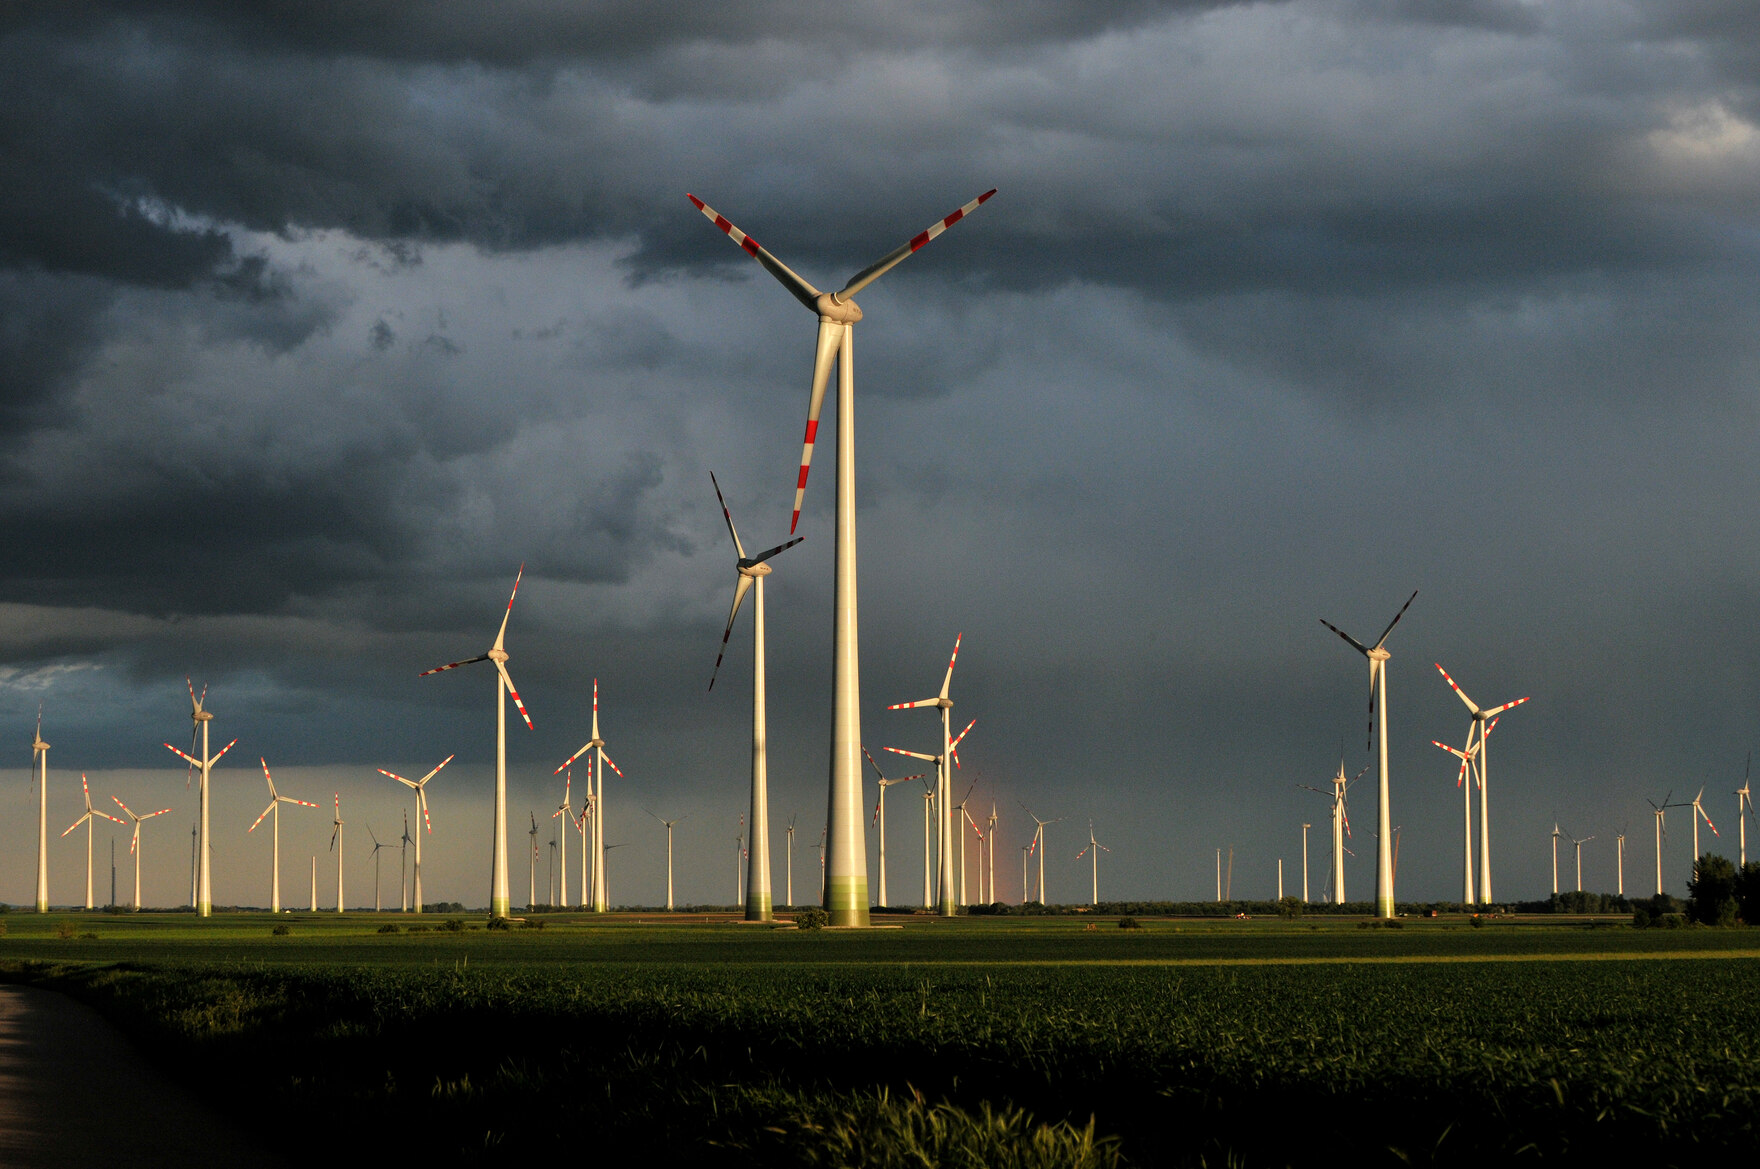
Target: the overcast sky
(313, 328)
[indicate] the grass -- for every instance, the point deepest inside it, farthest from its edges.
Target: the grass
(1034, 1042)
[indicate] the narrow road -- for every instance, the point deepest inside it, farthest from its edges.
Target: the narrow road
(75, 1092)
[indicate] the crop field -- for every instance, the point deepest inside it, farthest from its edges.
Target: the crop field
(980, 1041)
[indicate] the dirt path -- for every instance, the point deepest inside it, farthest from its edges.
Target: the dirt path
(75, 1092)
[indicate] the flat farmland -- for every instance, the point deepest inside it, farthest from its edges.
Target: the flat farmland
(1181, 1043)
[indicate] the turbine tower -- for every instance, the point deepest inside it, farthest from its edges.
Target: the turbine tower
(377, 845)
(942, 797)
(880, 819)
(86, 819)
(402, 862)
(596, 801)
(200, 717)
(1620, 840)
(40, 765)
(565, 811)
(1660, 811)
(667, 824)
(1038, 846)
(1341, 823)
(134, 844)
(276, 799)
(944, 825)
(847, 876)
(336, 847)
(1481, 728)
(1556, 836)
(1578, 846)
(532, 869)
(1699, 814)
(420, 787)
(1744, 812)
(1094, 849)
(500, 901)
(750, 571)
(1305, 828)
(1378, 658)
(1466, 757)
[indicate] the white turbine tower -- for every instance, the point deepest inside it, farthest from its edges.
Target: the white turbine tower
(1039, 845)
(880, 819)
(1467, 771)
(1094, 849)
(375, 855)
(1556, 837)
(596, 800)
(1744, 812)
(1620, 840)
(667, 824)
(943, 797)
(402, 866)
(790, 878)
(336, 847)
(532, 868)
(276, 799)
(565, 811)
(200, 717)
(945, 826)
(1305, 828)
(1341, 823)
(1378, 658)
(500, 901)
(1660, 811)
(750, 572)
(1699, 814)
(957, 832)
(86, 819)
(40, 769)
(134, 845)
(420, 787)
(1482, 718)
(991, 847)
(928, 846)
(1578, 846)
(847, 879)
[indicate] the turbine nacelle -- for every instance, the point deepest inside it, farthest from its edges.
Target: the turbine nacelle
(837, 312)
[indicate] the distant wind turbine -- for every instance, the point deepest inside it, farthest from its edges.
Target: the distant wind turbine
(276, 799)
(1744, 811)
(134, 844)
(596, 799)
(420, 787)
(336, 847)
(1578, 846)
(1094, 849)
(880, 819)
(40, 764)
(667, 824)
(945, 825)
(86, 819)
(200, 716)
(375, 854)
(1482, 721)
(943, 842)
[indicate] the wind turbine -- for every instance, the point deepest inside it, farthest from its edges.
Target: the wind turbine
(40, 764)
(532, 874)
(200, 717)
(1378, 658)
(1660, 811)
(1094, 849)
(1744, 812)
(134, 844)
(991, 846)
(945, 824)
(336, 847)
(1341, 823)
(276, 799)
(667, 824)
(375, 855)
(1305, 828)
(1621, 841)
(739, 858)
(420, 786)
(1699, 814)
(838, 314)
(500, 902)
(402, 857)
(86, 819)
(1466, 757)
(1578, 846)
(1556, 836)
(596, 797)
(1481, 723)
(1026, 854)
(566, 809)
(751, 571)
(1039, 845)
(958, 831)
(928, 845)
(943, 842)
(790, 890)
(880, 818)
(580, 825)
(977, 835)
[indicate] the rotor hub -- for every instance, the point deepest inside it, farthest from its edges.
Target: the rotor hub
(838, 312)
(497, 655)
(753, 570)
(1379, 655)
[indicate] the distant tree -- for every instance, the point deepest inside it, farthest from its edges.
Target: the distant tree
(1290, 907)
(1711, 894)
(1748, 893)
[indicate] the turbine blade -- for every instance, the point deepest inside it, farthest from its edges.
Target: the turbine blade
(78, 822)
(874, 765)
(963, 734)
(1355, 644)
(830, 338)
(1504, 707)
(610, 764)
(261, 818)
(891, 259)
(800, 289)
(454, 665)
(948, 681)
(1453, 685)
(914, 705)
(436, 770)
(912, 754)
(739, 596)
(763, 556)
(507, 680)
(193, 761)
(223, 751)
(505, 616)
(1396, 617)
(585, 747)
(728, 516)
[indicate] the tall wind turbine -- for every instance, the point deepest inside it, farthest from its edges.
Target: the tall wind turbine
(667, 824)
(847, 867)
(402, 861)
(1341, 823)
(86, 819)
(134, 845)
(1556, 837)
(945, 825)
(750, 571)
(276, 799)
(40, 765)
(532, 873)
(1699, 814)
(420, 787)
(991, 845)
(928, 845)
(375, 854)
(1482, 718)
(1578, 846)
(500, 901)
(1660, 811)
(942, 800)
(1620, 840)
(1744, 813)
(1378, 657)
(880, 818)
(790, 891)
(565, 811)
(1094, 849)
(200, 716)
(957, 832)
(1039, 845)
(336, 847)
(1461, 781)
(596, 799)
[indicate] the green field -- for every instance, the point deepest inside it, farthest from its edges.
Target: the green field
(1181, 1043)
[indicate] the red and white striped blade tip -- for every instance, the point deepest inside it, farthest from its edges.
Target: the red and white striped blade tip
(454, 665)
